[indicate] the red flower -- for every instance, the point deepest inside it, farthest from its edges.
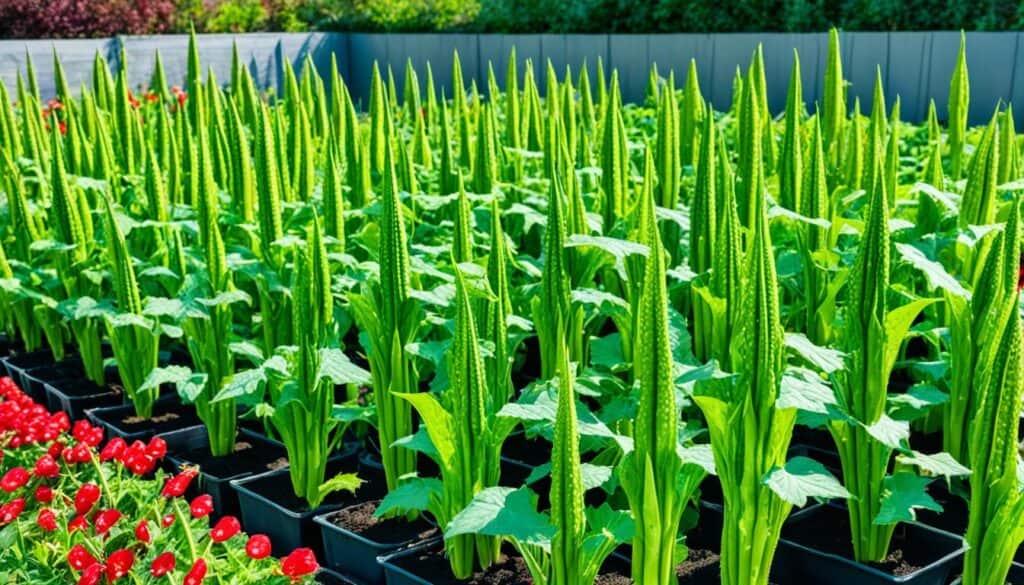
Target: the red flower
(182, 96)
(177, 485)
(157, 448)
(14, 479)
(86, 497)
(10, 511)
(55, 449)
(299, 563)
(46, 467)
(92, 575)
(105, 520)
(258, 546)
(63, 127)
(202, 506)
(196, 574)
(114, 449)
(79, 522)
(79, 558)
(44, 494)
(119, 563)
(47, 520)
(167, 520)
(162, 565)
(81, 430)
(142, 532)
(225, 528)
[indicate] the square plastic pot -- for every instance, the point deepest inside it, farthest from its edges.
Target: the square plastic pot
(350, 552)
(17, 367)
(936, 553)
(269, 506)
(112, 418)
(76, 396)
(329, 577)
(1015, 576)
(396, 575)
(218, 487)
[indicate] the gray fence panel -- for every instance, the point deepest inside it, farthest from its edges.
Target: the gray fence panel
(988, 52)
(673, 52)
(944, 48)
(76, 57)
(864, 54)
(361, 50)
(628, 55)
(1017, 95)
(905, 76)
(915, 66)
(580, 49)
(731, 50)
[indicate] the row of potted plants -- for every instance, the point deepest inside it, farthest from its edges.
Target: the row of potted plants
(347, 322)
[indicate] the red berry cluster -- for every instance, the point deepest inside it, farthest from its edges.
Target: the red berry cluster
(88, 494)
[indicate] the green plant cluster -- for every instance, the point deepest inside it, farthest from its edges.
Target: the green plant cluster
(665, 293)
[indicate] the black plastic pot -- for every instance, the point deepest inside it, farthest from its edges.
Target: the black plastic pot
(184, 444)
(1015, 576)
(396, 575)
(936, 553)
(329, 577)
(351, 553)
(17, 367)
(954, 515)
(112, 419)
(76, 396)
(269, 506)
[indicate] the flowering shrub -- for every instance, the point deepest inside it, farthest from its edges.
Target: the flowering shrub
(85, 18)
(74, 511)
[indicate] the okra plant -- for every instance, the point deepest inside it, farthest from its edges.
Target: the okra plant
(994, 529)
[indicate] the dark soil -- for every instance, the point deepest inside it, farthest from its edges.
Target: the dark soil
(385, 531)
(828, 530)
(896, 564)
(82, 388)
(166, 417)
(278, 488)
(697, 560)
(250, 456)
(64, 369)
(33, 359)
(431, 564)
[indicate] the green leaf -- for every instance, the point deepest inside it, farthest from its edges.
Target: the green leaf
(938, 464)
(806, 390)
(244, 384)
(592, 476)
(827, 359)
(228, 297)
(247, 350)
(503, 511)
(700, 455)
(439, 423)
(166, 375)
(897, 323)
(616, 524)
(934, 272)
(619, 249)
(162, 307)
(802, 478)
(903, 493)
(348, 482)
(889, 431)
(913, 403)
(334, 364)
(414, 495)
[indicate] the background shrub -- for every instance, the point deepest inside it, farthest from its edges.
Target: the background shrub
(79, 18)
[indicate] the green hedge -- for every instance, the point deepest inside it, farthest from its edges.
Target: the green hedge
(653, 16)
